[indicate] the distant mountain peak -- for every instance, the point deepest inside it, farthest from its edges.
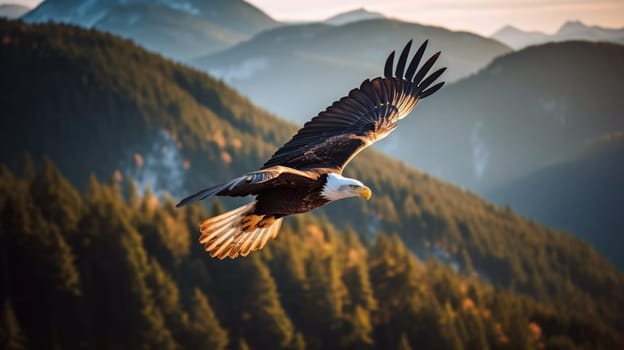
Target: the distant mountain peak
(517, 38)
(511, 30)
(506, 29)
(355, 15)
(570, 27)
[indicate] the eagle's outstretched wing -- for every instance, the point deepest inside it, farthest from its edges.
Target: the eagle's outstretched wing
(253, 183)
(332, 138)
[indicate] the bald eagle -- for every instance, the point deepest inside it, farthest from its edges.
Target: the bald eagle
(306, 172)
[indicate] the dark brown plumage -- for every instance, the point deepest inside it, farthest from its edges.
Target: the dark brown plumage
(305, 173)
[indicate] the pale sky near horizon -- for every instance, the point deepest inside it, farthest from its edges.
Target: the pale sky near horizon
(480, 16)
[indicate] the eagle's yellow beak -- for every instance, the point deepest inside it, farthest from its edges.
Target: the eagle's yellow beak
(364, 192)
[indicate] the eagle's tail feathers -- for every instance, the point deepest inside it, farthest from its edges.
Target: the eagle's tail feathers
(226, 236)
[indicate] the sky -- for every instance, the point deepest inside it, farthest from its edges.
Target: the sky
(480, 16)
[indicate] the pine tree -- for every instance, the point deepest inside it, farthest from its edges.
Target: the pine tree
(359, 328)
(117, 272)
(361, 303)
(241, 344)
(11, 335)
(41, 270)
(147, 323)
(356, 276)
(451, 336)
(203, 330)
(473, 336)
(287, 262)
(56, 198)
(167, 298)
(324, 300)
(29, 171)
(404, 343)
(395, 275)
(265, 323)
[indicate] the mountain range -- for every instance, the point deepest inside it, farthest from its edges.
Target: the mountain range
(571, 30)
(238, 43)
(180, 29)
(524, 111)
(322, 62)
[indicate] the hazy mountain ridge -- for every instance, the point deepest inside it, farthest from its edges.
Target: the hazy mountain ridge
(264, 67)
(571, 30)
(360, 14)
(517, 38)
(180, 29)
(107, 120)
(524, 111)
(583, 195)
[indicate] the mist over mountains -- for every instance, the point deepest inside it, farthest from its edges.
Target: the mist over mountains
(321, 62)
(571, 30)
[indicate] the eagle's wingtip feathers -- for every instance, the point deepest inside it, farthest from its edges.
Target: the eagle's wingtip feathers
(402, 60)
(415, 74)
(389, 64)
(432, 90)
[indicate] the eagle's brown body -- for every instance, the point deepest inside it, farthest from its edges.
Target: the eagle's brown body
(308, 197)
(305, 173)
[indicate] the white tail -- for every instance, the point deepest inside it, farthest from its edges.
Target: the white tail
(226, 235)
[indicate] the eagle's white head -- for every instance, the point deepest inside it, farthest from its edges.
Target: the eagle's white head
(339, 187)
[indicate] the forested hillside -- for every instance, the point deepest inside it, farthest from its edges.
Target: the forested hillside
(96, 104)
(99, 271)
(583, 195)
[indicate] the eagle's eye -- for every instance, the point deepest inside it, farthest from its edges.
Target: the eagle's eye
(353, 186)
